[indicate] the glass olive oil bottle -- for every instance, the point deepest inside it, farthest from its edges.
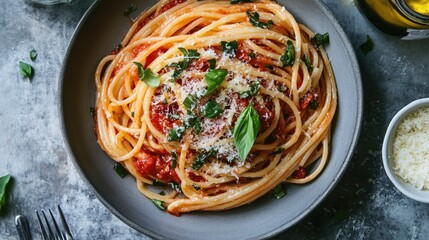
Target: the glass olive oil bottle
(408, 19)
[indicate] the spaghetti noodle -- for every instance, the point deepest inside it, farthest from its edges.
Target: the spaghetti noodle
(222, 100)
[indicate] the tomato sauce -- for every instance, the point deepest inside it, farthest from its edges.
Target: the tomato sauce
(157, 165)
(170, 4)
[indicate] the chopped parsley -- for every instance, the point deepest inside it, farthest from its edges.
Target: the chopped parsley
(307, 63)
(212, 63)
(189, 55)
(367, 46)
(252, 54)
(211, 109)
(288, 57)
(278, 150)
(254, 90)
(173, 159)
(229, 48)
(278, 192)
(120, 170)
(158, 204)
(313, 104)
(190, 102)
(201, 159)
(192, 121)
(175, 133)
(196, 187)
(175, 186)
(254, 20)
(321, 39)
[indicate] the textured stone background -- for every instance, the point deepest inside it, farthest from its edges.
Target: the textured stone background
(364, 205)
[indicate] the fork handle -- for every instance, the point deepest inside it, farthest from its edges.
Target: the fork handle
(23, 228)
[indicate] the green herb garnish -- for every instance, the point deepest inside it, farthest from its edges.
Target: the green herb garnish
(201, 159)
(278, 150)
(254, 90)
(212, 63)
(214, 78)
(173, 159)
(252, 54)
(26, 70)
(158, 204)
(147, 76)
(245, 131)
(313, 104)
(289, 56)
(175, 134)
(192, 121)
(321, 39)
(239, 1)
(120, 170)
(278, 192)
(367, 46)
(188, 56)
(175, 186)
(33, 55)
(3, 185)
(190, 102)
(307, 63)
(229, 48)
(196, 187)
(254, 20)
(211, 109)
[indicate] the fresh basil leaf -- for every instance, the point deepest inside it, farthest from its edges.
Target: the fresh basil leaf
(26, 70)
(3, 185)
(192, 121)
(245, 131)
(175, 186)
(229, 48)
(211, 109)
(158, 204)
(214, 78)
(173, 159)
(269, 67)
(254, 20)
(288, 57)
(33, 55)
(212, 63)
(307, 63)
(278, 192)
(147, 76)
(175, 134)
(130, 9)
(367, 46)
(120, 170)
(321, 39)
(190, 102)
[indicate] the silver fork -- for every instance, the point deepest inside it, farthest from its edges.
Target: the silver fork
(53, 233)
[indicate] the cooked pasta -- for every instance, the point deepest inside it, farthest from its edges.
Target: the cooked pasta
(222, 100)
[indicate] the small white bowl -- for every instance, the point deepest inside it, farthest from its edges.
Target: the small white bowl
(405, 187)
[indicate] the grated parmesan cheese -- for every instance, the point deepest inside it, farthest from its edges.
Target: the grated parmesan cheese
(411, 149)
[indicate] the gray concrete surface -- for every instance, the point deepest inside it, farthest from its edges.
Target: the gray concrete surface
(364, 205)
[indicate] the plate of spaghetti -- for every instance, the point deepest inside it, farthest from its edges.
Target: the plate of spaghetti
(224, 119)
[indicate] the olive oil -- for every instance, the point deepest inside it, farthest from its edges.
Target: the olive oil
(408, 19)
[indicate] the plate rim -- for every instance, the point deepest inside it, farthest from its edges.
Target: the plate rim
(317, 201)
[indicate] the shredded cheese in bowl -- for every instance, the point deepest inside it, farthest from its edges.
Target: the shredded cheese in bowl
(410, 149)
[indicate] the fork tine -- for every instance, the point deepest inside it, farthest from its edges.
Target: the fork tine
(57, 229)
(42, 228)
(51, 234)
(67, 234)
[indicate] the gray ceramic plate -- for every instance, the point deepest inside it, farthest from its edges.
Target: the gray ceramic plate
(98, 33)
